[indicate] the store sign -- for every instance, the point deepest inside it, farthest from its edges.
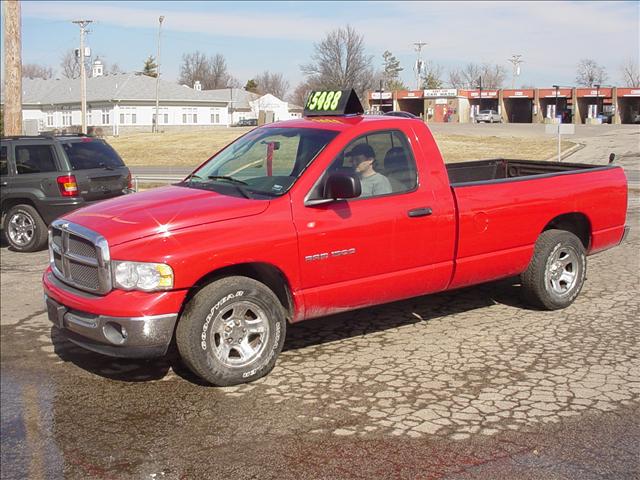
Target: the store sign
(441, 92)
(485, 94)
(410, 94)
(381, 96)
(441, 101)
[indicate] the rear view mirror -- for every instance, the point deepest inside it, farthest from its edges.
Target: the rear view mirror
(612, 157)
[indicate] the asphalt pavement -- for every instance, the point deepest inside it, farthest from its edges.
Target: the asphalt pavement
(469, 384)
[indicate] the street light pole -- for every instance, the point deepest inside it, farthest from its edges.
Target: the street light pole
(480, 96)
(597, 85)
(83, 76)
(155, 124)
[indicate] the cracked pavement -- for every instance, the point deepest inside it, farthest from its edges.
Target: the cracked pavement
(458, 385)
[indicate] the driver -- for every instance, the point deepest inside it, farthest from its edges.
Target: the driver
(373, 183)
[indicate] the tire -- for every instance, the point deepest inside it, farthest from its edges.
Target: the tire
(24, 229)
(557, 271)
(231, 331)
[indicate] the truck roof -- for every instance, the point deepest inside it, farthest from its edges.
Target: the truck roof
(338, 123)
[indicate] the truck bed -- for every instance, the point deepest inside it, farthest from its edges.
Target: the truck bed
(502, 169)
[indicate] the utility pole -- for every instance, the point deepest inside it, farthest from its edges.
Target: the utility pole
(83, 74)
(12, 69)
(419, 66)
(155, 124)
(515, 60)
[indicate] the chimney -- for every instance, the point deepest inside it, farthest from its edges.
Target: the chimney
(197, 86)
(98, 69)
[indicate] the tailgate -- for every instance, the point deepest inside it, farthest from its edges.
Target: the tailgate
(99, 183)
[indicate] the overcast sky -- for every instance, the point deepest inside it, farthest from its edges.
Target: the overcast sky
(279, 36)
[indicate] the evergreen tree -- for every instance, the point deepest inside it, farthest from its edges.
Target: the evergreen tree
(391, 73)
(251, 86)
(150, 68)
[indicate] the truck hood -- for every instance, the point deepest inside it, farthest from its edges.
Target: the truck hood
(161, 210)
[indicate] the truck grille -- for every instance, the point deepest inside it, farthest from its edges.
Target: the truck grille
(79, 257)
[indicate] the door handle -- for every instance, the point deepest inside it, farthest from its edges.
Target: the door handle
(420, 212)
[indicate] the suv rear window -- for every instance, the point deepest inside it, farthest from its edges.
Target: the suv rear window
(91, 154)
(35, 159)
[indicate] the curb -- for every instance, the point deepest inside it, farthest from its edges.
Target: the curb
(567, 153)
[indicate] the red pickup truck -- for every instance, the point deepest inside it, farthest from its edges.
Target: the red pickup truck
(309, 217)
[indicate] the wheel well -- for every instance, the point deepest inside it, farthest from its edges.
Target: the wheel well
(264, 273)
(12, 202)
(576, 223)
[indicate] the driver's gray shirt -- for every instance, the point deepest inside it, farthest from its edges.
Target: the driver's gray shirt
(375, 184)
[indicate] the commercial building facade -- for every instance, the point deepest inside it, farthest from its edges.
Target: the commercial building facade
(540, 105)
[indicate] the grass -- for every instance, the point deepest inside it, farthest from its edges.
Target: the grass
(192, 148)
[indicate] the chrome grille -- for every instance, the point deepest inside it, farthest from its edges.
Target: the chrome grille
(79, 257)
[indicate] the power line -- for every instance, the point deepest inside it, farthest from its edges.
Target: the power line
(419, 65)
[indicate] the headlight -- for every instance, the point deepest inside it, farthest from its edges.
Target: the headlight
(142, 276)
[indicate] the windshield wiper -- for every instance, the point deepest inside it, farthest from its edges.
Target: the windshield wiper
(190, 176)
(230, 179)
(106, 167)
(237, 183)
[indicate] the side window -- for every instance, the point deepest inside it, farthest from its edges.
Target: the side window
(4, 165)
(34, 159)
(383, 161)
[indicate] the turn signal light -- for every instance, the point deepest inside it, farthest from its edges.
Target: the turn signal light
(68, 185)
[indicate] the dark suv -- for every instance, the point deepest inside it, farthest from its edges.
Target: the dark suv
(45, 177)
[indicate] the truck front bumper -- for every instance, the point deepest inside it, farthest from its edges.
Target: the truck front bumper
(129, 337)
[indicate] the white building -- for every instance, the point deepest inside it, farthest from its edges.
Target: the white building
(126, 102)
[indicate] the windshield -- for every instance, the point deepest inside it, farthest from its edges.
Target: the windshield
(485, 112)
(264, 162)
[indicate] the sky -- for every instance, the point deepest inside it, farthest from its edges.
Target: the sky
(280, 36)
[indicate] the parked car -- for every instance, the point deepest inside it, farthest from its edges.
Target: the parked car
(636, 118)
(606, 117)
(488, 116)
(258, 237)
(44, 177)
(247, 122)
(401, 114)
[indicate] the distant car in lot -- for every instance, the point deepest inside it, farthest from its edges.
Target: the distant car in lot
(45, 177)
(247, 122)
(606, 117)
(488, 116)
(401, 114)
(636, 118)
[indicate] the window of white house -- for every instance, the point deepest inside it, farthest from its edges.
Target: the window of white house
(163, 114)
(106, 117)
(215, 116)
(189, 115)
(49, 119)
(66, 118)
(127, 115)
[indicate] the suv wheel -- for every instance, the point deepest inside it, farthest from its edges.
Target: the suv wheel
(231, 331)
(24, 229)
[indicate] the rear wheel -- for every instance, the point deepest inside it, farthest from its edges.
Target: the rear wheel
(232, 331)
(24, 229)
(557, 270)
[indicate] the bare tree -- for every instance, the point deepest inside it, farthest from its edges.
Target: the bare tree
(299, 95)
(431, 75)
(70, 64)
(273, 83)
(469, 76)
(589, 73)
(210, 71)
(339, 61)
(114, 69)
(630, 73)
(33, 70)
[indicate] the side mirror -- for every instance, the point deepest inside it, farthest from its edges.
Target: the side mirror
(612, 157)
(338, 186)
(341, 186)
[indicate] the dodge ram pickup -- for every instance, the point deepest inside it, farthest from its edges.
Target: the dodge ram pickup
(309, 217)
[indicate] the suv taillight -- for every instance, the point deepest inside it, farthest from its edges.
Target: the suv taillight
(68, 186)
(129, 181)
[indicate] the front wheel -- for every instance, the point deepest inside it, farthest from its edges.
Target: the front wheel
(557, 270)
(24, 229)
(232, 331)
